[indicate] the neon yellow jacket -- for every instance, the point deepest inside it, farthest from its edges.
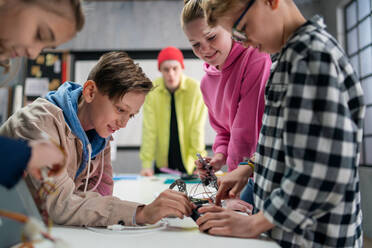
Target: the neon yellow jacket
(191, 114)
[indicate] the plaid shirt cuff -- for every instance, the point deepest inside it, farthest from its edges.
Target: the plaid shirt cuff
(280, 214)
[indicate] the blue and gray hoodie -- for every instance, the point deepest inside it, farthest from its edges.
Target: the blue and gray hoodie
(67, 98)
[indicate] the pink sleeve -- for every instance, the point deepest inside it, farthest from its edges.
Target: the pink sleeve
(247, 123)
(222, 138)
(221, 141)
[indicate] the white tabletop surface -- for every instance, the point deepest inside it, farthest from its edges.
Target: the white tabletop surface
(177, 234)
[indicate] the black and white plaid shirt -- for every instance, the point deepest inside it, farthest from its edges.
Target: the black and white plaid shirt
(306, 176)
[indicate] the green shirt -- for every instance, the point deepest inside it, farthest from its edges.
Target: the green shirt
(191, 114)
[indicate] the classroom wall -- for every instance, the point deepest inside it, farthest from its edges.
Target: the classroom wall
(141, 25)
(332, 11)
(328, 10)
(308, 8)
(130, 25)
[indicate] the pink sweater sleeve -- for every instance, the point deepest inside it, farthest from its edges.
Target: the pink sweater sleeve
(222, 138)
(221, 141)
(247, 123)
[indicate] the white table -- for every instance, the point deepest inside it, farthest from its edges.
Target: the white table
(178, 234)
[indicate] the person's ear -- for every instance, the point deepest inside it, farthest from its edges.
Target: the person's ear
(89, 91)
(274, 4)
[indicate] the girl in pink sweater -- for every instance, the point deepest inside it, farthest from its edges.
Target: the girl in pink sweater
(233, 87)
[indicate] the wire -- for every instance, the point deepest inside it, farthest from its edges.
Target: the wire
(25, 220)
(14, 216)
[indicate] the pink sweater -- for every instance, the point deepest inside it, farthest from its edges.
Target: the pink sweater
(235, 101)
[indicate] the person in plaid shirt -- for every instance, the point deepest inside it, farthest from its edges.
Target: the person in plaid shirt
(306, 165)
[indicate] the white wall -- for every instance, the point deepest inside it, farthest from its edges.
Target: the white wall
(129, 25)
(140, 25)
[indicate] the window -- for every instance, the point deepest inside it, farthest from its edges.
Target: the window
(358, 30)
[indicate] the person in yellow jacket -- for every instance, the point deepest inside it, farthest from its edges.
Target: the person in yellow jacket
(173, 118)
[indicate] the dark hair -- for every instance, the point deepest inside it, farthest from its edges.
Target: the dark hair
(116, 74)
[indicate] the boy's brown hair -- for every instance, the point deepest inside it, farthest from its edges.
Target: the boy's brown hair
(116, 74)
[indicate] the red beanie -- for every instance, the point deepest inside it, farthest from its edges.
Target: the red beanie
(170, 53)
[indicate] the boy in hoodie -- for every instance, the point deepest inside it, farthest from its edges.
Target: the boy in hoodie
(81, 119)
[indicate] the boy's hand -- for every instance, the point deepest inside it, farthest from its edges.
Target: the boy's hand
(168, 203)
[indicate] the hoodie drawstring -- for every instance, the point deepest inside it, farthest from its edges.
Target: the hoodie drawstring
(88, 173)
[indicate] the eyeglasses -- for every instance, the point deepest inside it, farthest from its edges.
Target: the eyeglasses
(239, 35)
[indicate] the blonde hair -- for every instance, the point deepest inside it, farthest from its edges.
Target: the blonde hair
(78, 14)
(215, 9)
(192, 10)
(53, 6)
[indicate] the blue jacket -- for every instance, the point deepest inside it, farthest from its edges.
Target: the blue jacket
(14, 158)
